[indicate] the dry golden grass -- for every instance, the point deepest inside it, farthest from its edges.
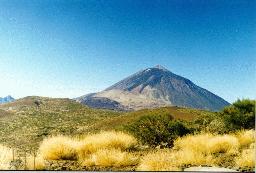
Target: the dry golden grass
(246, 137)
(105, 140)
(170, 160)
(223, 144)
(58, 148)
(195, 143)
(111, 158)
(203, 149)
(161, 160)
(247, 159)
(186, 157)
(112, 139)
(65, 148)
(5, 157)
(109, 149)
(35, 163)
(208, 144)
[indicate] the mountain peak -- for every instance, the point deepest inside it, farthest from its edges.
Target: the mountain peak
(6, 99)
(158, 66)
(157, 86)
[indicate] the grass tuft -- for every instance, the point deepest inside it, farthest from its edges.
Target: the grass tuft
(102, 149)
(5, 157)
(105, 140)
(161, 160)
(202, 150)
(58, 148)
(37, 163)
(208, 144)
(246, 138)
(111, 158)
(223, 144)
(246, 161)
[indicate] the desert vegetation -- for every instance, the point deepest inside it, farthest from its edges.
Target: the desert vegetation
(5, 157)
(145, 140)
(120, 151)
(193, 150)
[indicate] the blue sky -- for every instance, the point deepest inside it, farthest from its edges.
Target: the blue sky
(67, 48)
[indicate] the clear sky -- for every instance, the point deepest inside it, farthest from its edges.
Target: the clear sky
(68, 48)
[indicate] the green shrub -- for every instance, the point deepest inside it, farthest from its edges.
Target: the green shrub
(217, 126)
(151, 130)
(202, 122)
(239, 115)
(177, 129)
(158, 130)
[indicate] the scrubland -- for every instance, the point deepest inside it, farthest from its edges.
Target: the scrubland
(204, 150)
(64, 135)
(118, 151)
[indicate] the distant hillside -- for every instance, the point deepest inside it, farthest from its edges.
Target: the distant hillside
(155, 87)
(6, 99)
(31, 122)
(118, 122)
(5, 113)
(25, 122)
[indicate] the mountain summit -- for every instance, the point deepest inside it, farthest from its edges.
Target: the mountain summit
(6, 99)
(155, 87)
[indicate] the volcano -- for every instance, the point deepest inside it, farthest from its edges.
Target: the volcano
(154, 87)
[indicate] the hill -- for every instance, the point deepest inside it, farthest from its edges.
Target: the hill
(156, 87)
(127, 118)
(30, 119)
(30, 123)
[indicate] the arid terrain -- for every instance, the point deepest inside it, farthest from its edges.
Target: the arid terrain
(60, 134)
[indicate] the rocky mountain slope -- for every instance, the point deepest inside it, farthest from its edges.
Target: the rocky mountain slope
(154, 87)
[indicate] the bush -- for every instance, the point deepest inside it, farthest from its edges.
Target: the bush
(208, 144)
(246, 161)
(239, 115)
(161, 160)
(178, 128)
(216, 126)
(110, 158)
(105, 149)
(58, 148)
(207, 149)
(223, 144)
(173, 160)
(246, 138)
(115, 140)
(202, 122)
(151, 130)
(203, 150)
(158, 130)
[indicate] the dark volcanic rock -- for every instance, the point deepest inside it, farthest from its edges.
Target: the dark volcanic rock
(101, 103)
